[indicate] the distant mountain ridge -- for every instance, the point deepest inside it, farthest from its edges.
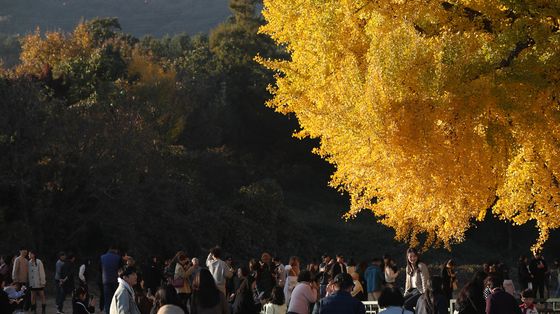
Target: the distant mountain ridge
(137, 17)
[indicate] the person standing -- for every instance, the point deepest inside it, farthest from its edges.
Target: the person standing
(265, 277)
(218, 268)
(242, 300)
(37, 282)
(279, 271)
(4, 267)
(374, 279)
(339, 267)
(538, 270)
(324, 274)
(417, 279)
(21, 268)
(110, 264)
(182, 284)
(391, 271)
(449, 277)
(70, 271)
(340, 301)
(83, 272)
(292, 273)
(152, 275)
(123, 301)
(523, 273)
(60, 278)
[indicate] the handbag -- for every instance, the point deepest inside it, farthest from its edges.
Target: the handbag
(178, 282)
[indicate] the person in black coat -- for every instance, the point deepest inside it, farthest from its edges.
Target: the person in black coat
(523, 274)
(538, 270)
(80, 302)
(339, 267)
(243, 300)
(471, 298)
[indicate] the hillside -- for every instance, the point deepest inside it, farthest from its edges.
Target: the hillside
(137, 17)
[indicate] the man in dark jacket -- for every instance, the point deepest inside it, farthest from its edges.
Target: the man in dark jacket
(110, 264)
(341, 301)
(538, 270)
(499, 301)
(153, 274)
(339, 267)
(324, 274)
(265, 277)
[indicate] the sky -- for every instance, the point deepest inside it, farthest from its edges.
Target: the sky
(137, 17)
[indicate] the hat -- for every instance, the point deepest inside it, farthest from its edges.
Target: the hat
(344, 281)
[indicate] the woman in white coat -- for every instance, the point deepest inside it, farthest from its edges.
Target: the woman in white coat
(37, 281)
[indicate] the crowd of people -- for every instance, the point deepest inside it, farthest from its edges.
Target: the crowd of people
(184, 285)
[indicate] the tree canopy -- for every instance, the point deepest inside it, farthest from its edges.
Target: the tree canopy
(433, 112)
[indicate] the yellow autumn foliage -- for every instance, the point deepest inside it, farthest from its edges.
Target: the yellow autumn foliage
(52, 49)
(432, 112)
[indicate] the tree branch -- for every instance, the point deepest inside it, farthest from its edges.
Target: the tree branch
(519, 47)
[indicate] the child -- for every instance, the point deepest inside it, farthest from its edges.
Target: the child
(528, 307)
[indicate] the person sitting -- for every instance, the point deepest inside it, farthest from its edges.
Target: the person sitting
(15, 291)
(16, 295)
(80, 304)
(391, 301)
(7, 305)
(339, 300)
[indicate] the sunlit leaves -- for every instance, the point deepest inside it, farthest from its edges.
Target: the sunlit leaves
(431, 111)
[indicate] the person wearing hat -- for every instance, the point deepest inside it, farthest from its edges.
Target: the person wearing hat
(339, 300)
(123, 300)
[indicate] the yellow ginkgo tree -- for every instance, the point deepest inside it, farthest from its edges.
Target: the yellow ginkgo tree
(433, 112)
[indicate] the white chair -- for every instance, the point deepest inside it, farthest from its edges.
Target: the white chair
(555, 303)
(372, 307)
(452, 306)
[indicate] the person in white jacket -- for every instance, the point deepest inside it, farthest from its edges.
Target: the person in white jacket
(123, 300)
(219, 269)
(37, 282)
